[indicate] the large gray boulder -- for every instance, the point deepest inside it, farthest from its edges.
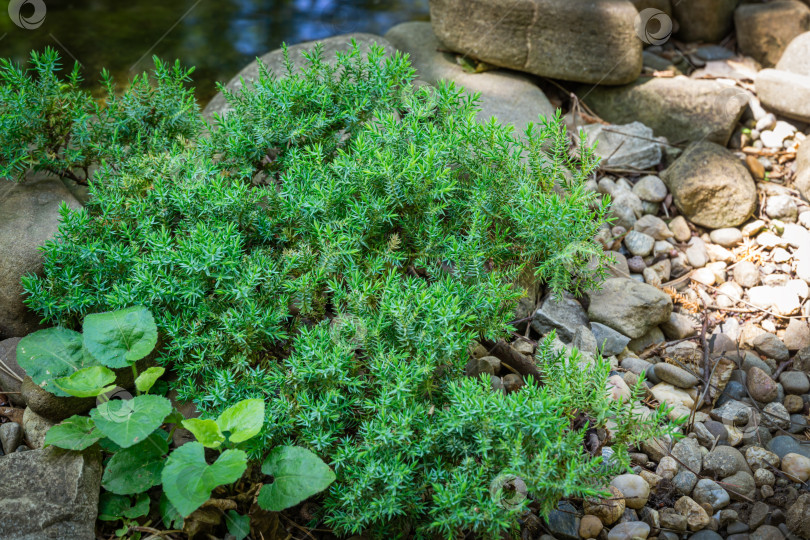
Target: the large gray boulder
(52, 407)
(711, 187)
(590, 42)
(29, 216)
(704, 20)
(784, 93)
(506, 95)
(765, 30)
(678, 108)
(786, 89)
(274, 60)
(49, 493)
(796, 57)
(663, 6)
(629, 307)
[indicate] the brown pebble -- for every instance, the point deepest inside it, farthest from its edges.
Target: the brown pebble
(708, 507)
(794, 403)
(590, 526)
(757, 169)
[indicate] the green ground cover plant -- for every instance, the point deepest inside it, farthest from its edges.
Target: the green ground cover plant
(69, 363)
(333, 246)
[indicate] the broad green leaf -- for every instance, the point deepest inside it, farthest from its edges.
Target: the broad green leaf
(146, 379)
(243, 420)
(49, 354)
(140, 508)
(188, 480)
(74, 433)
(297, 475)
(176, 417)
(238, 526)
(87, 382)
(169, 514)
(111, 507)
(128, 422)
(205, 431)
(137, 468)
(118, 339)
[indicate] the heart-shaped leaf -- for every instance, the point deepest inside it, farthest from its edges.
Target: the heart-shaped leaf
(238, 525)
(146, 379)
(243, 420)
(140, 508)
(87, 382)
(137, 468)
(74, 433)
(120, 338)
(188, 480)
(128, 422)
(205, 431)
(111, 507)
(48, 354)
(169, 514)
(297, 475)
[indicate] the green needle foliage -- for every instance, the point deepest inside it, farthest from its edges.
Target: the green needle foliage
(333, 245)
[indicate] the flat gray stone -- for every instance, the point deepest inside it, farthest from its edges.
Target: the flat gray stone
(609, 341)
(628, 146)
(49, 493)
(785, 444)
(675, 375)
(679, 108)
(564, 315)
(590, 42)
(629, 307)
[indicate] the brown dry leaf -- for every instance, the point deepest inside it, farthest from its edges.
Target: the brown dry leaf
(12, 413)
(678, 298)
(720, 377)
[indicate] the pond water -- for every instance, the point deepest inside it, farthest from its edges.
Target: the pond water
(217, 36)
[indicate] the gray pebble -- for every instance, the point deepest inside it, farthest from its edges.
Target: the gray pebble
(11, 435)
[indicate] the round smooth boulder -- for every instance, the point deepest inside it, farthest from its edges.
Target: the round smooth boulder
(608, 510)
(636, 490)
(711, 187)
(52, 407)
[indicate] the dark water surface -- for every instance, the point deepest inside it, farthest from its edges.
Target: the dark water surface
(217, 36)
